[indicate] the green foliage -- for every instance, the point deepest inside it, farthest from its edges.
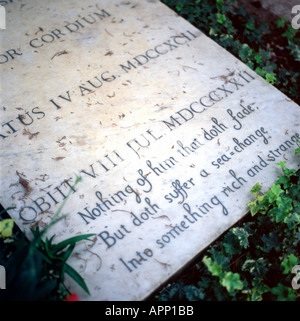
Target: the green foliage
(284, 293)
(281, 202)
(56, 255)
(6, 227)
(271, 78)
(231, 281)
(221, 18)
(289, 263)
(213, 267)
(280, 23)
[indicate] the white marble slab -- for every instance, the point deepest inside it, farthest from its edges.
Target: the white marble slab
(168, 131)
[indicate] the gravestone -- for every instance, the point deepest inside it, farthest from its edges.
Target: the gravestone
(167, 130)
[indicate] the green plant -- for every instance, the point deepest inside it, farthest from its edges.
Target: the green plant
(36, 269)
(56, 256)
(6, 225)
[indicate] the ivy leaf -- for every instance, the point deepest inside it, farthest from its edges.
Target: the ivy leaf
(292, 221)
(284, 293)
(281, 22)
(295, 51)
(179, 7)
(245, 52)
(278, 213)
(250, 26)
(258, 58)
(284, 206)
(221, 18)
(281, 164)
(257, 206)
(230, 249)
(222, 260)
(294, 192)
(231, 243)
(259, 288)
(256, 189)
(205, 282)
(289, 263)
(213, 267)
(256, 295)
(260, 71)
(171, 291)
(212, 32)
(242, 236)
(192, 293)
(6, 227)
(220, 293)
(271, 242)
(286, 171)
(285, 203)
(290, 33)
(257, 268)
(273, 194)
(231, 281)
(271, 78)
(250, 64)
(220, 4)
(284, 181)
